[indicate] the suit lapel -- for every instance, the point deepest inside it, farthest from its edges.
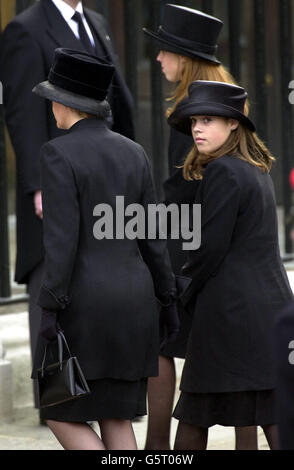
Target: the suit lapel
(58, 29)
(119, 91)
(98, 28)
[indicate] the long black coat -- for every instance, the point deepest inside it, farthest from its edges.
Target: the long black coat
(27, 50)
(238, 279)
(105, 288)
(178, 191)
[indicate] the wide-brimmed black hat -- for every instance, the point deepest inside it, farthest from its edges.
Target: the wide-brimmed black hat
(211, 99)
(78, 80)
(188, 32)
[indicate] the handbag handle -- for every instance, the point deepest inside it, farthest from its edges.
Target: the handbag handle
(60, 339)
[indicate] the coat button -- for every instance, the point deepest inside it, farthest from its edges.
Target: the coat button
(63, 299)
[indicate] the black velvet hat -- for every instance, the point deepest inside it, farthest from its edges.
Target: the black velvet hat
(188, 32)
(211, 99)
(78, 80)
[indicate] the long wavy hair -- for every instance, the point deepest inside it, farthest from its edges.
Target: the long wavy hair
(197, 69)
(242, 143)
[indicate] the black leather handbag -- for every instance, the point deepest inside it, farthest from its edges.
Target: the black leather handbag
(62, 380)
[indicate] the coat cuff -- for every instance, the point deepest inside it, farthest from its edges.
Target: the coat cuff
(49, 301)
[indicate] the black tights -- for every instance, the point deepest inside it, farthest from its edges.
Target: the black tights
(195, 438)
(161, 391)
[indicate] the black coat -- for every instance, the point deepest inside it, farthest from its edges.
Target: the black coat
(177, 189)
(178, 148)
(105, 288)
(238, 279)
(27, 50)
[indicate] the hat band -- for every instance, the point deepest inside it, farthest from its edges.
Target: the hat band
(75, 86)
(217, 106)
(176, 40)
(183, 113)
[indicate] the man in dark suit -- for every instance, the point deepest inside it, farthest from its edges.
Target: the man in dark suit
(27, 50)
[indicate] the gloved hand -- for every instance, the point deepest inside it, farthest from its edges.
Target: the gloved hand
(48, 328)
(170, 319)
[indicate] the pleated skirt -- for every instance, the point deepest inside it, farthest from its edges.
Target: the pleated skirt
(250, 408)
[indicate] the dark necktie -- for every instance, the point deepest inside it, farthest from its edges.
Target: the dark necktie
(83, 33)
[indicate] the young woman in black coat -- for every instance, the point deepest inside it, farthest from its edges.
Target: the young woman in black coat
(239, 285)
(100, 283)
(187, 40)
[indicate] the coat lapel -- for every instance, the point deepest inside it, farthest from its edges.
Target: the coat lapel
(58, 29)
(98, 26)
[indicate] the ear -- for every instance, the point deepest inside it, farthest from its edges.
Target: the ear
(233, 124)
(182, 59)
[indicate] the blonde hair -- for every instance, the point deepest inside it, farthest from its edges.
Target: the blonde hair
(242, 143)
(197, 69)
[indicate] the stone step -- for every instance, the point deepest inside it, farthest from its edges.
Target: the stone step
(24, 433)
(14, 335)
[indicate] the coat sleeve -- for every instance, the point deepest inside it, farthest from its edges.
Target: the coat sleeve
(21, 68)
(154, 251)
(61, 227)
(220, 205)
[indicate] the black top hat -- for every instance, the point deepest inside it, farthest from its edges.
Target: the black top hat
(188, 32)
(211, 99)
(78, 80)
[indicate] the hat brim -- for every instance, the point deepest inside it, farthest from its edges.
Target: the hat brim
(72, 100)
(173, 47)
(180, 118)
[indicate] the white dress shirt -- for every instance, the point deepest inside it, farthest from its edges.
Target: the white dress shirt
(67, 12)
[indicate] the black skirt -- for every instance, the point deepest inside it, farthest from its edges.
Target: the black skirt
(109, 399)
(252, 408)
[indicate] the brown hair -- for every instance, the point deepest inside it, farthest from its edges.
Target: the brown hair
(82, 114)
(197, 69)
(242, 143)
(103, 111)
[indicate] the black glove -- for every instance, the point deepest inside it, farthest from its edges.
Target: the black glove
(48, 328)
(170, 319)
